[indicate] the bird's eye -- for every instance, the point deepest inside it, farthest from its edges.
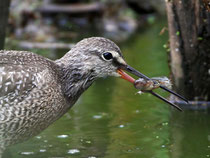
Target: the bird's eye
(107, 56)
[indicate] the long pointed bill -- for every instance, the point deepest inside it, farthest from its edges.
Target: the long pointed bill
(137, 73)
(165, 100)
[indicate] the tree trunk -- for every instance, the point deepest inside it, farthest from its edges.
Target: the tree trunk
(189, 31)
(4, 10)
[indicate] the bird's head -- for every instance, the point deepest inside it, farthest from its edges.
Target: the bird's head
(89, 59)
(101, 57)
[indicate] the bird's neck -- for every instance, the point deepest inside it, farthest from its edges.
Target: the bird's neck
(75, 77)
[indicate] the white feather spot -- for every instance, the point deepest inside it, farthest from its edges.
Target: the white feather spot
(6, 89)
(16, 92)
(8, 83)
(18, 87)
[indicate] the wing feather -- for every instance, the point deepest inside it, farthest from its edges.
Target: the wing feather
(19, 74)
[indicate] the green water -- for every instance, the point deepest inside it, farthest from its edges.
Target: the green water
(110, 120)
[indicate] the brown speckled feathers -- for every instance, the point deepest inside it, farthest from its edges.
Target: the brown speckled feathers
(36, 91)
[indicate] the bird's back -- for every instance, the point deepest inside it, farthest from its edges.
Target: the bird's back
(30, 95)
(22, 71)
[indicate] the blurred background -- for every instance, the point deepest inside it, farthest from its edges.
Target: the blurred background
(110, 119)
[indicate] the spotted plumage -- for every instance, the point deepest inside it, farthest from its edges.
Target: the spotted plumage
(29, 95)
(35, 91)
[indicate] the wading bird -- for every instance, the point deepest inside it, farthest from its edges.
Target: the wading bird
(36, 91)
